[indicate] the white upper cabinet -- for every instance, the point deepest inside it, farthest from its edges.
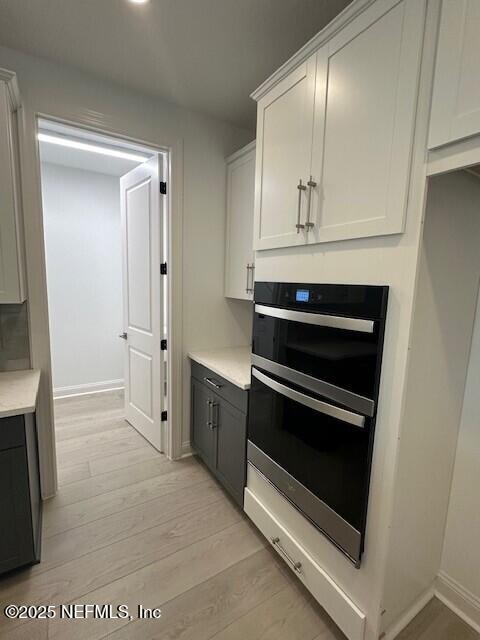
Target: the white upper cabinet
(456, 93)
(354, 156)
(239, 256)
(284, 140)
(364, 123)
(12, 278)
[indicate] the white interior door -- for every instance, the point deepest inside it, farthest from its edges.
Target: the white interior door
(142, 209)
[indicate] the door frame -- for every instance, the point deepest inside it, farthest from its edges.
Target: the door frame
(39, 331)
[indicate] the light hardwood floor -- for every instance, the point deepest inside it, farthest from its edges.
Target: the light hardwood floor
(130, 527)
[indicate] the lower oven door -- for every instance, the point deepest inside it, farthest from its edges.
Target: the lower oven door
(316, 453)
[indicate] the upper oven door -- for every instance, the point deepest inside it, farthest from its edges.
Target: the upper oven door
(337, 355)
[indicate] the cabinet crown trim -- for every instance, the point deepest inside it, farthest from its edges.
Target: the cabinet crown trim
(10, 78)
(241, 152)
(334, 26)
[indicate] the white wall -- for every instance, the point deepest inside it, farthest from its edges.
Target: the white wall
(84, 277)
(445, 304)
(461, 552)
(199, 146)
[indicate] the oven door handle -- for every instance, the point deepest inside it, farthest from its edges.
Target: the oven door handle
(317, 405)
(319, 319)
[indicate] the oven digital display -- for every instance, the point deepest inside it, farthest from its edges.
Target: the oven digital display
(302, 295)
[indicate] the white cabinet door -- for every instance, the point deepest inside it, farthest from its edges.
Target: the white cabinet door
(456, 93)
(239, 258)
(364, 123)
(12, 277)
(284, 142)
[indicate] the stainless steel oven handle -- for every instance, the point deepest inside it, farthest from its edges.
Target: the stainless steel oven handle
(353, 401)
(319, 319)
(312, 403)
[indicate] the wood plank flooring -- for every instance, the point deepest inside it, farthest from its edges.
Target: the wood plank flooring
(130, 527)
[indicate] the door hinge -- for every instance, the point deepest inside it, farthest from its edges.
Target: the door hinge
(163, 269)
(163, 188)
(164, 416)
(163, 344)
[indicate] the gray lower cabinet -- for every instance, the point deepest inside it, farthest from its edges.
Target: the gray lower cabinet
(219, 428)
(20, 501)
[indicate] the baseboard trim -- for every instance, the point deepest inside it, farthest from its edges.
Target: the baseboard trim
(87, 389)
(408, 615)
(461, 601)
(186, 449)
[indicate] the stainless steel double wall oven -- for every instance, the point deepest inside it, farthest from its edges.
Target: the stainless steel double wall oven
(317, 352)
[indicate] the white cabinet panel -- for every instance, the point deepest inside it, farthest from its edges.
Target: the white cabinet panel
(12, 278)
(239, 256)
(364, 128)
(284, 140)
(456, 95)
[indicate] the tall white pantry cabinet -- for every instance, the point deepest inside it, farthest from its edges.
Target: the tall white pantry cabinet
(12, 274)
(348, 133)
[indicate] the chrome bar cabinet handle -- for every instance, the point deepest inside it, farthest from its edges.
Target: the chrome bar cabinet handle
(210, 417)
(249, 287)
(214, 423)
(297, 566)
(301, 187)
(311, 184)
(212, 383)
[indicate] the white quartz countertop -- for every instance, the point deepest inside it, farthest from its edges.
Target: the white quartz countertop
(18, 392)
(233, 364)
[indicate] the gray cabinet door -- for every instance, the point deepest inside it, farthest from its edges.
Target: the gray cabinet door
(202, 434)
(230, 450)
(16, 542)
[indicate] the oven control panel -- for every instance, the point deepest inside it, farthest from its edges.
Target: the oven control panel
(302, 295)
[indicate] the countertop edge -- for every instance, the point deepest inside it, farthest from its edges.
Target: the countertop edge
(23, 409)
(198, 358)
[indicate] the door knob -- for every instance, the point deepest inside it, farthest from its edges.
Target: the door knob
(123, 335)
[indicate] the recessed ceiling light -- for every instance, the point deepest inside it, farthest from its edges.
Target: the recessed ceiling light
(139, 1)
(75, 144)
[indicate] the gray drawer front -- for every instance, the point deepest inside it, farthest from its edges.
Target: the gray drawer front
(12, 432)
(228, 391)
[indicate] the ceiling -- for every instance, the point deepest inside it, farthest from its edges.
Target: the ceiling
(207, 55)
(87, 160)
